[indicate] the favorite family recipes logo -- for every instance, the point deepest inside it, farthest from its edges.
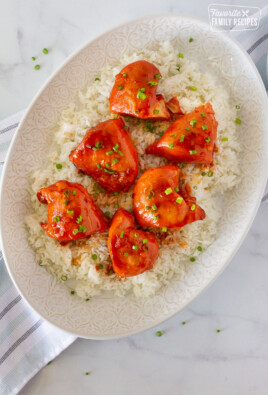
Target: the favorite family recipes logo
(227, 17)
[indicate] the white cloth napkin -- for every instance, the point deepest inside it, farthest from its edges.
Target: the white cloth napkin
(27, 343)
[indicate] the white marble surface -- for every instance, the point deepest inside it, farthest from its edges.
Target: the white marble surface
(189, 359)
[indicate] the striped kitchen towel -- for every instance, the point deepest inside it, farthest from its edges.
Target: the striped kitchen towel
(27, 343)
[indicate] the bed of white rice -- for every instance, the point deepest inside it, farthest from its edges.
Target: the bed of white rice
(75, 259)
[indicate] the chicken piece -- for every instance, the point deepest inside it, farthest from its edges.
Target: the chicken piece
(72, 213)
(132, 251)
(134, 92)
(158, 202)
(108, 155)
(174, 106)
(190, 138)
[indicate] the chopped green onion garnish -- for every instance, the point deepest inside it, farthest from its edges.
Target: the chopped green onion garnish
(75, 231)
(156, 111)
(203, 174)
(125, 253)
(111, 271)
(79, 219)
(141, 95)
(154, 207)
(224, 139)
(109, 152)
(176, 189)
(98, 166)
(72, 292)
(45, 51)
(115, 147)
(179, 200)
(173, 136)
(210, 173)
(94, 257)
(87, 373)
(70, 211)
(87, 299)
(192, 152)
(102, 190)
(204, 127)
(97, 79)
(218, 330)
(191, 39)
(95, 195)
(168, 191)
(164, 229)
(33, 58)
(122, 234)
(182, 138)
(158, 76)
(134, 247)
(151, 194)
(64, 277)
(180, 55)
(125, 75)
(199, 248)
(193, 88)
(192, 122)
(144, 241)
(187, 129)
(109, 171)
(82, 229)
(107, 213)
(136, 234)
(147, 208)
(159, 333)
(203, 114)
(156, 218)
(101, 266)
(152, 83)
(238, 121)
(56, 219)
(119, 87)
(59, 166)
(37, 66)
(171, 145)
(107, 164)
(237, 107)
(192, 259)
(178, 67)
(193, 207)
(66, 193)
(207, 140)
(183, 322)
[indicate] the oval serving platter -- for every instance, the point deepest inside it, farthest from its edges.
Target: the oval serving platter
(109, 316)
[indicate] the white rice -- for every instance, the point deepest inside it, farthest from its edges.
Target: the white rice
(74, 260)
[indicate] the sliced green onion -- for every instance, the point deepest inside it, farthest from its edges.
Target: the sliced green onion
(152, 83)
(87, 373)
(97, 79)
(66, 192)
(178, 67)
(171, 145)
(125, 253)
(37, 66)
(107, 213)
(144, 241)
(125, 75)
(159, 333)
(176, 189)
(147, 208)
(45, 51)
(191, 40)
(192, 152)
(33, 58)
(109, 171)
(218, 330)
(192, 122)
(116, 193)
(193, 207)
(72, 292)
(70, 211)
(224, 139)
(66, 202)
(238, 121)
(204, 127)
(164, 229)
(79, 219)
(179, 200)
(94, 257)
(75, 231)
(237, 107)
(173, 136)
(183, 322)
(203, 114)
(102, 190)
(182, 138)
(101, 266)
(134, 247)
(154, 207)
(207, 140)
(107, 164)
(119, 87)
(193, 88)
(203, 174)
(156, 218)
(210, 173)
(199, 248)
(82, 229)
(151, 194)
(98, 166)
(141, 95)
(64, 277)
(122, 234)
(158, 76)
(136, 234)
(168, 191)
(59, 166)
(56, 219)
(187, 129)
(192, 259)
(109, 152)
(87, 299)
(180, 55)
(156, 111)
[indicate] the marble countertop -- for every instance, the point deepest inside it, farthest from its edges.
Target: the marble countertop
(190, 359)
